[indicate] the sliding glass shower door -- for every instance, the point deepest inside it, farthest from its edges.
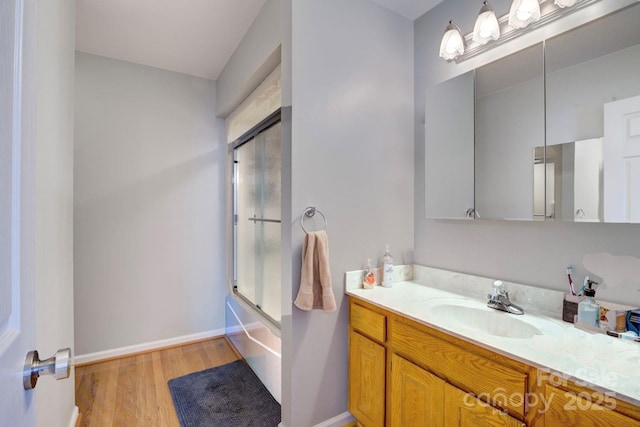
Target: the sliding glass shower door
(257, 195)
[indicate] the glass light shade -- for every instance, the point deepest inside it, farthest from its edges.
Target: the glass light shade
(564, 3)
(523, 13)
(452, 44)
(487, 27)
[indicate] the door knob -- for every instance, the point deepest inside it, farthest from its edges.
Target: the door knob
(58, 366)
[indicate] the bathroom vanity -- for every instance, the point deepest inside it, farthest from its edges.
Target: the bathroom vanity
(423, 356)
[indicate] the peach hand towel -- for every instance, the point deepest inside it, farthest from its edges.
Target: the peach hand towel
(315, 290)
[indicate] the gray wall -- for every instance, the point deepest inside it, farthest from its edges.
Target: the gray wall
(533, 253)
(347, 72)
(449, 119)
(254, 58)
(574, 113)
(509, 125)
(149, 243)
(352, 75)
(267, 43)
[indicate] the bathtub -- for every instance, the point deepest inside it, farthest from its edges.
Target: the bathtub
(257, 341)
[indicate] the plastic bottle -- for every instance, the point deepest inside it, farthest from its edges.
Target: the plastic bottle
(588, 309)
(368, 278)
(387, 268)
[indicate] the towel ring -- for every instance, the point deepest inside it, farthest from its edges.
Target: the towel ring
(309, 213)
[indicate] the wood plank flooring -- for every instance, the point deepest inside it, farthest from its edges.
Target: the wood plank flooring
(133, 391)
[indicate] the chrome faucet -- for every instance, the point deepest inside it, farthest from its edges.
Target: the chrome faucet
(499, 299)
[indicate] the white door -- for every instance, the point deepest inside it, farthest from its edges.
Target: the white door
(36, 164)
(587, 180)
(621, 155)
(17, 330)
(544, 187)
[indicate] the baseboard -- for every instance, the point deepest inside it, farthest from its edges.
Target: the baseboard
(234, 330)
(100, 356)
(344, 419)
(74, 421)
(339, 420)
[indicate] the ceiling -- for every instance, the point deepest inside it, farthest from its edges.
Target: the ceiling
(412, 9)
(196, 40)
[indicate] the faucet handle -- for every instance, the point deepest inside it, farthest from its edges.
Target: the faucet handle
(499, 288)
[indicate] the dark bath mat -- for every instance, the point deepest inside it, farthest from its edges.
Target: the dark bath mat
(230, 395)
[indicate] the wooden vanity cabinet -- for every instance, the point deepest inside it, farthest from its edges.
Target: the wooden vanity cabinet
(417, 397)
(402, 375)
(463, 409)
(366, 380)
(367, 365)
(405, 374)
(586, 408)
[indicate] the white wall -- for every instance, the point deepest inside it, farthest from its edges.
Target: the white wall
(54, 400)
(352, 94)
(535, 253)
(149, 205)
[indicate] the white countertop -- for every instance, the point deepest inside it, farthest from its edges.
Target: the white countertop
(596, 360)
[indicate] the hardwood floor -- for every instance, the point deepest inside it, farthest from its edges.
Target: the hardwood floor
(133, 391)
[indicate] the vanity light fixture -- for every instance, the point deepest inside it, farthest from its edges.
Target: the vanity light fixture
(524, 16)
(452, 44)
(523, 13)
(486, 27)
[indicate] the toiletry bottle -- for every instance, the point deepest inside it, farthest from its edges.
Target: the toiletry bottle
(368, 278)
(387, 269)
(588, 309)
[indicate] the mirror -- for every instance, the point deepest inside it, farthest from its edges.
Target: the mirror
(593, 120)
(509, 125)
(449, 153)
(556, 133)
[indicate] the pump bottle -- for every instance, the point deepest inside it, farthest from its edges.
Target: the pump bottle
(387, 268)
(588, 309)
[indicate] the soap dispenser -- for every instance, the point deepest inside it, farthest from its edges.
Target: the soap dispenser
(588, 309)
(368, 278)
(387, 268)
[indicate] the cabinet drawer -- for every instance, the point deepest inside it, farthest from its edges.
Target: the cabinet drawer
(502, 386)
(369, 323)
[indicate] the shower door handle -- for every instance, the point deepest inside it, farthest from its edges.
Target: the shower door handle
(255, 219)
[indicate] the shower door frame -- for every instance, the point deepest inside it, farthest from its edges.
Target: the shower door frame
(271, 120)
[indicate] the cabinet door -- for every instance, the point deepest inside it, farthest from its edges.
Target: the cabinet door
(366, 380)
(566, 408)
(464, 410)
(417, 397)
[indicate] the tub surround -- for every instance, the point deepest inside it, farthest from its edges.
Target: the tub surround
(598, 361)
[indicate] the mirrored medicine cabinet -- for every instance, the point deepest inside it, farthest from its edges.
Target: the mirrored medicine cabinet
(551, 132)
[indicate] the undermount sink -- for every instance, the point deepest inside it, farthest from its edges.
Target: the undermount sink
(483, 321)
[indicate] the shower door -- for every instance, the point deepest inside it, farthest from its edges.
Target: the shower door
(257, 195)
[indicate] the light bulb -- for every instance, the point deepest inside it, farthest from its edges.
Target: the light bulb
(524, 12)
(523, 15)
(452, 44)
(486, 27)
